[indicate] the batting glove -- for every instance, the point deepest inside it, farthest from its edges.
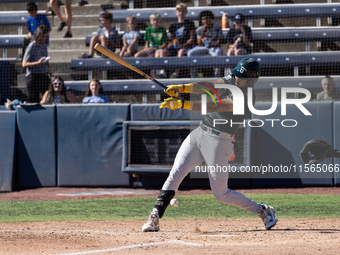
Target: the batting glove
(173, 89)
(174, 104)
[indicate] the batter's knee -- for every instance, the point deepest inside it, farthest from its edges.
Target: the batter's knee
(222, 196)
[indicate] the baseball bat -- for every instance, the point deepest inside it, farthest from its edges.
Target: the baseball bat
(123, 62)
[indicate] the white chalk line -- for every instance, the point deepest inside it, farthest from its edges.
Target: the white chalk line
(128, 246)
(156, 243)
(68, 231)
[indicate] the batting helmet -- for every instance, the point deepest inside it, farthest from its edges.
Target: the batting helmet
(249, 69)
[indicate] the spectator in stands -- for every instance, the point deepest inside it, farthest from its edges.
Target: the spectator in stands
(33, 22)
(182, 38)
(209, 37)
(329, 92)
(68, 13)
(106, 35)
(37, 67)
(239, 37)
(155, 38)
(57, 93)
(95, 93)
(130, 38)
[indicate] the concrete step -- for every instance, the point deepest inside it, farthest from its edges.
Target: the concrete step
(74, 43)
(77, 31)
(77, 20)
(64, 55)
(21, 6)
(84, 10)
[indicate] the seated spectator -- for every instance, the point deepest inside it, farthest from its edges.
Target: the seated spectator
(33, 22)
(106, 35)
(239, 37)
(36, 63)
(95, 93)
(329, 92)
(130, 38)
(209, 37)
(57, 93)
(155, 38)
(182, 38)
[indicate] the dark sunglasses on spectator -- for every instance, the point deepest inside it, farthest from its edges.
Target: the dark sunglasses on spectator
(57, 83)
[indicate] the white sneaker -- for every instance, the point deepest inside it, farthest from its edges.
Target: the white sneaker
(267, 214)
(152, 225)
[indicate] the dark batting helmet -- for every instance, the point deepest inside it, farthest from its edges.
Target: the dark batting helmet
(248, 69)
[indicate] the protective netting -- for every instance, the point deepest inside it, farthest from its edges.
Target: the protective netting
(296, 44)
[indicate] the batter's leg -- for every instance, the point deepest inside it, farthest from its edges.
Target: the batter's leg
(186, 159)
(216, 152)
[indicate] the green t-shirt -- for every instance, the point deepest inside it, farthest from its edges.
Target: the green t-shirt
(156, 36)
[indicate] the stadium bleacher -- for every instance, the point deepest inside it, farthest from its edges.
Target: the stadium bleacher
(261, 35)
(279, 35)
(10, 42)
(284, 11)
(294, 60)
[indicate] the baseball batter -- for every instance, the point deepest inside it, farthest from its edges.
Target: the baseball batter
(211, 143)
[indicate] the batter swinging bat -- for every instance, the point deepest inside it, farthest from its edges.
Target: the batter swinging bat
(123, 62)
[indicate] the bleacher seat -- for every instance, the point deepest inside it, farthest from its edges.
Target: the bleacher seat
(16, 18)
(266, 59)
(272, 11)
(144, 86)
(22, 1)
(10, 42)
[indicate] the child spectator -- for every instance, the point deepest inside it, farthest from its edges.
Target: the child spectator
(57, 93)
(94, 93)
(182, 38)
(33, 22)
(106, 35)
(239, 37)
(155, 38)
(209, 37)
(130, 38)
(36, 64)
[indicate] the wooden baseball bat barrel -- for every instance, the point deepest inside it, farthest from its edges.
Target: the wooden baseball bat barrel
(123, 62)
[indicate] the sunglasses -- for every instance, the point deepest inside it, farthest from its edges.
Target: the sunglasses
(57, 83)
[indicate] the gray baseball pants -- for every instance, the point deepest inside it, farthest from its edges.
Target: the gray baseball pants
(215, 150)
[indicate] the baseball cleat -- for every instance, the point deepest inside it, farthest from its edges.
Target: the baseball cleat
(267, 214)
(152, 225)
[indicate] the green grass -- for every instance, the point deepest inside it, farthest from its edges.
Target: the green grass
(190, 207)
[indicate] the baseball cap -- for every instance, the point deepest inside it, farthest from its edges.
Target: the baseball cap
(247, 68)
(238, 17)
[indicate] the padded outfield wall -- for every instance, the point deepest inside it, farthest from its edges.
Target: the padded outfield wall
(82, 145)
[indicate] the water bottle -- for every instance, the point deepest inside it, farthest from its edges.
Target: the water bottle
(205, 41)
(151, 54)
(225, 20)
(175, 42)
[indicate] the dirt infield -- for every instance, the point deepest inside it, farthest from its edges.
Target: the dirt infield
(241, 236)
(290, 236)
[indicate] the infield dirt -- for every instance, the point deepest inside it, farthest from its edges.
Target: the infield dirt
(227, 236)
